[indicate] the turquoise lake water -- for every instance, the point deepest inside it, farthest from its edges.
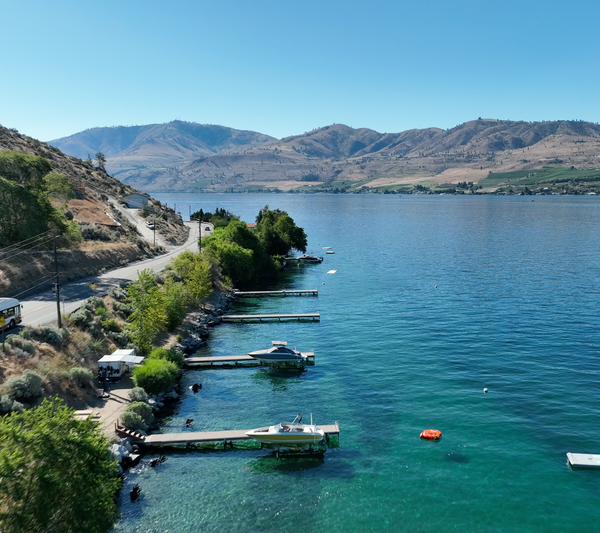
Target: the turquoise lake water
(434, 299)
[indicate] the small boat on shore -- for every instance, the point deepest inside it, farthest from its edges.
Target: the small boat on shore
(278, 353)
(289, 433)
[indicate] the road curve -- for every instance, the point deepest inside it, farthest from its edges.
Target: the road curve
(41, 308)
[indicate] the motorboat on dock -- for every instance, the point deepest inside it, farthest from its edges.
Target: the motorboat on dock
(289, 433)
(279, 353)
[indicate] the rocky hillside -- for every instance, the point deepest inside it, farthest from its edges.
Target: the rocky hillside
(109, 238)
(337, 155)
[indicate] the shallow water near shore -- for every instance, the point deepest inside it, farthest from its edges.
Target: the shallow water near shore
(434, 299)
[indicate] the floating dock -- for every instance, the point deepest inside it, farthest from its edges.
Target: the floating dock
(252, 294)
(233, 361)
(583, 460)
(192, 437)
(297, 316)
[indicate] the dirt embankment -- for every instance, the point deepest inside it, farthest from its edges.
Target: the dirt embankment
(31, 269)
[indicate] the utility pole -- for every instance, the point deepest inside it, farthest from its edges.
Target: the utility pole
(57, 284)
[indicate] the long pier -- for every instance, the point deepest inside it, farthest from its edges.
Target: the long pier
(236, 360)
(192, 437)
(296, 316)
(252, 294)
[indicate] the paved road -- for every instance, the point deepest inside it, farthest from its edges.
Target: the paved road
(42, 309)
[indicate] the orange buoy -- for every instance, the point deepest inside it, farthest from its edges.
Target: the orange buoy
(431, 434)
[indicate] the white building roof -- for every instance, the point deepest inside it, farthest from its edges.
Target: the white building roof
(126, 356)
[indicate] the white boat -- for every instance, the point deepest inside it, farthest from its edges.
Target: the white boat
(289, 433)
(309, 258)
(278, 353)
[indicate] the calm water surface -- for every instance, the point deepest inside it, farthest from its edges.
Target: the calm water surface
(434, 299)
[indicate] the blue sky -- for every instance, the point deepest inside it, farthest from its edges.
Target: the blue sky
(287, 67)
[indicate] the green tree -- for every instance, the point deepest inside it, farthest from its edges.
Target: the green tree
(101, 158)
(149, 316)
(195, 272)
(59, 187)
(55, 473)
(175, 303)
(278, 232)
(27, 170)
(23, 212)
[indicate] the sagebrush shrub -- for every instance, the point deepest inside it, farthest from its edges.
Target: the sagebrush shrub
(24, 387)
(81, 376)
(7, 405)
(110, 324)
(132, 420)
(137, 394)
(142, 409)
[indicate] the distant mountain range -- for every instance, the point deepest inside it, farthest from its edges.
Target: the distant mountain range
(183, 156)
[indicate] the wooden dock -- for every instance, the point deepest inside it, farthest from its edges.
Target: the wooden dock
(296, 316)
(252, 294)
(583, 460)
(192, 437)
(233, 361)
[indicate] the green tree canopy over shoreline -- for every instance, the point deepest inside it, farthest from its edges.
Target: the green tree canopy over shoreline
(56, 473)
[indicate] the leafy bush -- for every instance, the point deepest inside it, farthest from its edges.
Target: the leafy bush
(28, 346)
(174, 355)
(93, 303)
(82, 318)
(155, 375)
(7, 405)
(24, 387)
(14, 340)
(117, 293)
(81, 376)
(137, 394)
(101, 311)
(123, 310)
(132, 420)
(48, 334)
(97, 233)
(18, 353)
(121, 339)
(25, 333)
(110, 324)
(143, 410)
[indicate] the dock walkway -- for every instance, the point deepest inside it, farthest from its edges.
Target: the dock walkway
(236, 360)
(191, 437)
(252, 294)
(296, 316)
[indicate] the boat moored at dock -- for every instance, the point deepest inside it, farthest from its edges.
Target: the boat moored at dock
(289, 433)
(279, 353)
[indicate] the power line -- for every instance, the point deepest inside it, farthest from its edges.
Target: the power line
(43, 282)
(27, 249)
(26, 242)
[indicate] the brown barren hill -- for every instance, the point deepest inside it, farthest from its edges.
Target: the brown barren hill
(165, 159)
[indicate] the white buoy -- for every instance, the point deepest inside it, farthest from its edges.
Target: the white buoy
(485, 390)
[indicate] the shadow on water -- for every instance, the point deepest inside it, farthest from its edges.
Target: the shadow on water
(320, 464)
(456, 457)
(279, 378)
